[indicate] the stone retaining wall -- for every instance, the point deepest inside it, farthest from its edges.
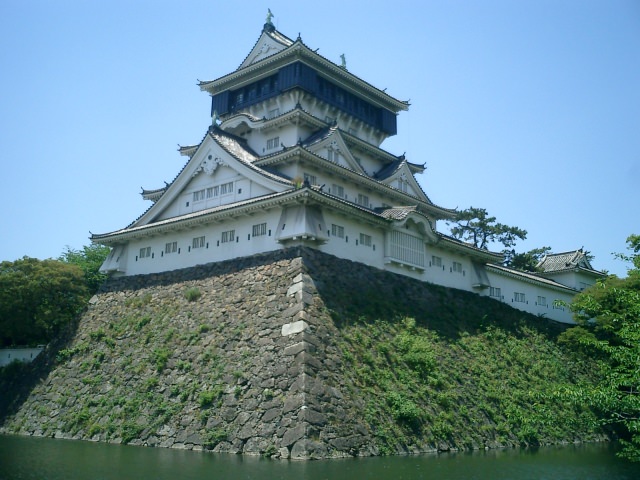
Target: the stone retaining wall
(248, 368)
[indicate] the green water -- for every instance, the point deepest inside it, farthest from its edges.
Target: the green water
(40, 458)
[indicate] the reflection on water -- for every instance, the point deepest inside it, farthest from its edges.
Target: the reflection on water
(27, 458)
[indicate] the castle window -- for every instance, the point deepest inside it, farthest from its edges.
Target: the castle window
(365, 239)
(518, 297)
(226, 188)
(406, 248)
(310, 179)
(457, 267)
(198, 196)
(495, 292)
(145, 252)
(259, 229)
(213, 192)
(198, 242)
(542, 301)
(436, 261)
(228, 236)
(363, 200)
(337, 190)
(273, 143)
(337, 231)
(333, 155)
(171, 247)
(273, 113)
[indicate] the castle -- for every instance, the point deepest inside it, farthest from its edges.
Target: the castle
(292, 158)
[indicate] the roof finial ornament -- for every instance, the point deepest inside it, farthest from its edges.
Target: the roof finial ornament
(268, 26)
(214, 120)
(344, 61)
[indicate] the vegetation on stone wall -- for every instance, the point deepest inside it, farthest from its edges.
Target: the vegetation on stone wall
(387, 365)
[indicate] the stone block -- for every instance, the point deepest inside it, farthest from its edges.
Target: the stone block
(294, 327)
(294, 434)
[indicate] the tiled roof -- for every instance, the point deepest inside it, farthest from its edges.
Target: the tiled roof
(302, 49)
(557, 262)
(396, 213)
(528, 276)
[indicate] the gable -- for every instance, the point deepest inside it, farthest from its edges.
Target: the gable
(214, 176)
(334, 149)
(268, 44)
(403, 180)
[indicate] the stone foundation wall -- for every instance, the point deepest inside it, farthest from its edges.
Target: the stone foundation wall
(234, 357)
(248, 356)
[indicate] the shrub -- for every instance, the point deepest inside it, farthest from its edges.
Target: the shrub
(192, 294)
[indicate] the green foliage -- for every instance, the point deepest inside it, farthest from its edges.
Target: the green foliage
(192, 294)
(207, 397)
(214, 436)
(160, 357)
(89, 259)
(527, 261)
(37, 299)
(476, 226)
(610, 316)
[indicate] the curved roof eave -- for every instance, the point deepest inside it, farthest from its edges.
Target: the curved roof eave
(299, 50)
(530, 278)
(297, 150)
(470, 250)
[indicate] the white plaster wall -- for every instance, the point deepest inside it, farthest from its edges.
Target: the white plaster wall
(509, 286)
(214, 251)
(8, 355)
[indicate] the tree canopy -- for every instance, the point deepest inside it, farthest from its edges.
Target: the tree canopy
(609, 318)
(37, 298)
(89, 259)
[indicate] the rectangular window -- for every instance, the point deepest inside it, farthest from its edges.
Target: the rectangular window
(198, 196)
(365, 240)
(363, 200)
(337, 231)
(228, 236)
(406, 248)
(213, 192)
(273, 143)
(436, 261)
(198, 242)
(542, 301)
(145, 252)
(171, 247)
(226, 188)
(495, 292)
(457, 267)
(259, 230)
(333, 155)
(337, 190)
(310, 179)
(518, 297)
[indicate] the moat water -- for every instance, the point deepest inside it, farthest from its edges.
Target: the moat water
(42, 458)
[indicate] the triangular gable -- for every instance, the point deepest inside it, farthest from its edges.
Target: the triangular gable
(402, 179)
(270, 42)
(215, 153)
(334, 149)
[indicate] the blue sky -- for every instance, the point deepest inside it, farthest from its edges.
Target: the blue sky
(530, 109)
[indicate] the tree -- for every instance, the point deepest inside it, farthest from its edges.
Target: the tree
(38, 298)
(89, 259)
(609, 315)
(527, 261)
(474, 225)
